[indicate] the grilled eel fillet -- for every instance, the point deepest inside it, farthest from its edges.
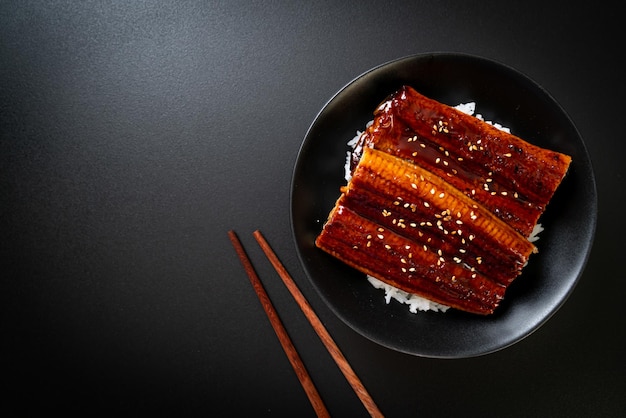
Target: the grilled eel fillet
(410, 228)
(511, 177)
(440, 203)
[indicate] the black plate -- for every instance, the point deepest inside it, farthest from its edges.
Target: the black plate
(501, 94)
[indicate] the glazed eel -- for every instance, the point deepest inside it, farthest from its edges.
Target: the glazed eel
(440, 203)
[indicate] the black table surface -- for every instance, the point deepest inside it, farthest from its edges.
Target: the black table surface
(134, 135)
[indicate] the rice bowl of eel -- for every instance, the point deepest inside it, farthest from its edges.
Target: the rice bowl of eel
(501, 94)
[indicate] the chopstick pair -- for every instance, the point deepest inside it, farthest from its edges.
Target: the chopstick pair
(290, 350)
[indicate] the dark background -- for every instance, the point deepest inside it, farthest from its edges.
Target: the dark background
(134, 135)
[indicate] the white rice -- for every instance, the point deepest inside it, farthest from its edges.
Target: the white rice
(417, 303)
(354, 147)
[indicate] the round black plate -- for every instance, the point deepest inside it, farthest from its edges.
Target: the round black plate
(501, 94)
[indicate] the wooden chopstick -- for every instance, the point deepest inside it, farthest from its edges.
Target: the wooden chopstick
(285, 341)
(319, 328)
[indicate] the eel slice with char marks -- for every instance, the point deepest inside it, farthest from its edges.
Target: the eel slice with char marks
(511, 177)
(410, 228)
